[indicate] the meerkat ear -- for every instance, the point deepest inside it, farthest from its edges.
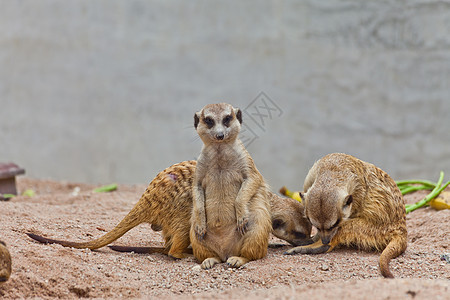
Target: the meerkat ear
(348, 200)
(302, 196)
(196, 120)
(347, 208)
(238, 114)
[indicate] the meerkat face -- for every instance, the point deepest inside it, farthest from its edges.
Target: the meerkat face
(290, 224)
(218, 123)
(326, 211)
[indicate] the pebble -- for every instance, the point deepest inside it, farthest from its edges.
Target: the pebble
(446, 257)
(324, 267)
(196, 268)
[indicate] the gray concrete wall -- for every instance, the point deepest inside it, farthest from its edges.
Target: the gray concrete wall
(103, 91)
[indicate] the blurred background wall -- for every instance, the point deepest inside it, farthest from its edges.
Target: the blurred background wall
(105, 91)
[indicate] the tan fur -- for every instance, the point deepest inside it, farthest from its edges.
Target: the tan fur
(288, 220)
(167, 205)
(231, 213)
(354, 203)
(5, 263)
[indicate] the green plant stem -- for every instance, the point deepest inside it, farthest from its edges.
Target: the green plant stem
(434, 193)
(427, 183)
(106, 188)
(412, 188)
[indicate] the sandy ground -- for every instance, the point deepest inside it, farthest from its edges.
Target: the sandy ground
(52, 271)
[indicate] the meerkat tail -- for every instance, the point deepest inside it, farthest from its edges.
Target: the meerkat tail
(395, 247)
(145, 250)
(131, 220)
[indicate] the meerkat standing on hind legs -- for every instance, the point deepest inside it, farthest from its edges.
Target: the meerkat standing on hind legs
(354, 203)
(231, 212)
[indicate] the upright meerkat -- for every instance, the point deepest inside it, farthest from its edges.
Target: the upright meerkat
(5, 263)
(231, 210)
(354, 203)
(167, 205)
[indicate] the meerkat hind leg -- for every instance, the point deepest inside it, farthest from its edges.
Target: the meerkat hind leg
(210, 262)
(207, 257)
(256, 239)
(179, 246)
(236, 261)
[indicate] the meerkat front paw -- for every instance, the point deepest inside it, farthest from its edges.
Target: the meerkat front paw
(200, 231)
(242, 225)
(308, 250)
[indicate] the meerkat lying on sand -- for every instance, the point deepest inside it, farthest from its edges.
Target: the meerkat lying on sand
(354, 203)
(5, 263)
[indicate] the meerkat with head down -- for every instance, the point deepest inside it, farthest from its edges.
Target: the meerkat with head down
(5, 263)
(354, 203)
(231, 218)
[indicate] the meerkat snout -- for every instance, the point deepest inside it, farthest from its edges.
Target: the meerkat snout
(324, 214)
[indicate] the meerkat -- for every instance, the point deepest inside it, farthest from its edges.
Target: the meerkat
(231, 218)
(288, 223)
(5, 263)
(167, 206)
(354, 203)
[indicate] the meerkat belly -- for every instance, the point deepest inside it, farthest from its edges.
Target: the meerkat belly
(222, 235)
(225, 241)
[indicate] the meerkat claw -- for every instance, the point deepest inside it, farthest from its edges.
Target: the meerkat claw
(236, 261)
(242, 226)
(200, 233)
(209, 263)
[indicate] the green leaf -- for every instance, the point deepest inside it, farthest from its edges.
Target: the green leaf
(29, 193)
(106, 188)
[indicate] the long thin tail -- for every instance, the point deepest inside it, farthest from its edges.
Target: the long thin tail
(162, 250)
(131, 220)
(395, 247)
(139, 249)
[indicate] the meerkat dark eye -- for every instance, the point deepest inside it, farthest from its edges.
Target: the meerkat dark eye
(277, 223)
(227, 120)
(209, 122)
(335, 224)
(299, 235)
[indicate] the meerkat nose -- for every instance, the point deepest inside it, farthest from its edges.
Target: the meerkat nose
(326, 239)
(220, 136)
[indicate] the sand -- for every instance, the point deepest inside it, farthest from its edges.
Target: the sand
(72, 211)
